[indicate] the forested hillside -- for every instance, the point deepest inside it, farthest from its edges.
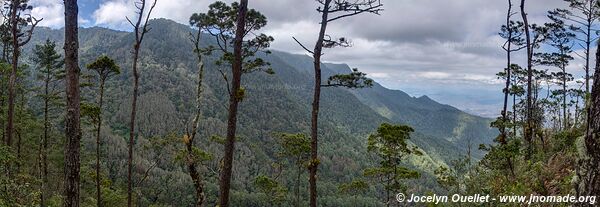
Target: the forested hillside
(275, 103)
(208, 114)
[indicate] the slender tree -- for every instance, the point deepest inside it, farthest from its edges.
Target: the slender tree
(72, 121)
(529, 107)
(231, 26)
(390, 144)
(22, 26)
(331, 10)
(560, 39)
(583, 17)
(140, 29)
(296, 148)
(234, 99)
(50, 66)
(512, 32)
(105, 67)
(193, 153)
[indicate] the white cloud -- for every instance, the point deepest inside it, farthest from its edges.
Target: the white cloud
(52, 12)
(113, 13)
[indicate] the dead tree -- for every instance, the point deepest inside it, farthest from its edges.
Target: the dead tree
(140, 29)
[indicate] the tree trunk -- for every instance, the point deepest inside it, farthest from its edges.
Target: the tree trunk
(132, 125)
(234, 99)
(197, 179)
(508, 71)
(193, 171)
(529, 126)
(565, 118)
(2, 102)
(298, 183)
(314, 159)
(44, 147)
(591, 180)
(98, 128)
(73, 130)
(13, 73)
(588, 42)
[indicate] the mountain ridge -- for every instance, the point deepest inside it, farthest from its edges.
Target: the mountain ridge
(275, 103)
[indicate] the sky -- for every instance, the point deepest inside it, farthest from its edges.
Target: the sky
(447, 50)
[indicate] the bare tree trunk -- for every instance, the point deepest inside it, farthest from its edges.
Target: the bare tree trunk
(197, 179)
(529, 126)
(193, 171)
(591, 178)
(44, 145)
(140, 31)
(298, 183)
(73, 130)
(132, 125)
(314, 161)
(564, 79)
(2, 102)
(588, 42)
(508, 73)
(98, 128)
(514, 115)
(13, 73)
(234, 99)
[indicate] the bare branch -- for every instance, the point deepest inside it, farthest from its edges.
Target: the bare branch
(373, 9)
(301, 45)
(29, 32)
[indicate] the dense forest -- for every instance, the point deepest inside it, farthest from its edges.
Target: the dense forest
(206, 114)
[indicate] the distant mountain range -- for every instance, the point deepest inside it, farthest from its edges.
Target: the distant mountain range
(274, 103)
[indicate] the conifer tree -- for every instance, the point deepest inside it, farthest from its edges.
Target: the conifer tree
(390, 144)
(332, 10)
(105, 67)
(50, 66)
(232, 26)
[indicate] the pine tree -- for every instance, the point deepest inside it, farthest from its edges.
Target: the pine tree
(232, 26)
(390, 144)
(330, 11)
(296, 148)
(105, 67)
(50, 66)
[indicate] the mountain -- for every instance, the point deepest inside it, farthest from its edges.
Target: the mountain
(274, 103)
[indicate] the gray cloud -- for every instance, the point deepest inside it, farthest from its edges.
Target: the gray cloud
(446, 44)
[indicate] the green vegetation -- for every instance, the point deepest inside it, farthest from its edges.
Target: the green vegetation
(206, 135)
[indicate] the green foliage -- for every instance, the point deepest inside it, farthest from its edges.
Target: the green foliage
(356, 79)
(165, 97)
(18, 189)
(294, 146)
(390, 144)
(220, 21)
(49, 62)
(90, 111)
(275, 192)
(197, 155)
(105, 67)
(356, 186)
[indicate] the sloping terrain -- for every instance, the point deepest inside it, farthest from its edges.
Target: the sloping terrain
(274, 103)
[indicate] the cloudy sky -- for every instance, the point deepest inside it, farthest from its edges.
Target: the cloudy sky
(448, 50)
